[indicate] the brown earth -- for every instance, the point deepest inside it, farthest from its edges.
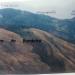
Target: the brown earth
(51, 55)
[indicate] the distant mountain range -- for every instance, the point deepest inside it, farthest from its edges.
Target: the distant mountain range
(17, 20)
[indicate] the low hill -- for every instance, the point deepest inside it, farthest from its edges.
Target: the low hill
(50, 55)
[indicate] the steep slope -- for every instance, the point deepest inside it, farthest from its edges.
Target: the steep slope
(16, 57)
(49, 55)
(55, 52)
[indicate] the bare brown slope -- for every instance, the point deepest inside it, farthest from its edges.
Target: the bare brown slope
(50, 55)
(17, 57)
(57, 53)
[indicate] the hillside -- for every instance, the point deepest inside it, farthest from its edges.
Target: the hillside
(16, 57)
(50, 55)
(17, 20)
(57, 53)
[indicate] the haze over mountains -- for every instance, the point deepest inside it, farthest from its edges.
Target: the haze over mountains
(16, 20)
(55, 53)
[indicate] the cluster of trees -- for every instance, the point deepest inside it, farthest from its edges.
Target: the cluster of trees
(24, 40)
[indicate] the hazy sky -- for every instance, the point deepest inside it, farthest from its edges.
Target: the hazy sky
(63, 8)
